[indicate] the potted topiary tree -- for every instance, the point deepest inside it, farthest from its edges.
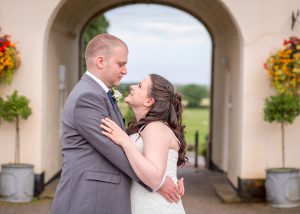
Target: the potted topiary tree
(17, 180)
(282, 184)
(283, 68)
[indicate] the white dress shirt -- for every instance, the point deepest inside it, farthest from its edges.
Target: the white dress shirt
(106, 89)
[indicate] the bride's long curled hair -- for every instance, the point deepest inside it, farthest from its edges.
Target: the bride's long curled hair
(167, 108)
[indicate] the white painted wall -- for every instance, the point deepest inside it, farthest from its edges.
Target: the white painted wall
(26, 24)
(264, 25)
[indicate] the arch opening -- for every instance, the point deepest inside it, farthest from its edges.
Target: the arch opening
(62, 53)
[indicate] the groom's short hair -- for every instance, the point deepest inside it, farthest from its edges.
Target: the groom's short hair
(102, 44)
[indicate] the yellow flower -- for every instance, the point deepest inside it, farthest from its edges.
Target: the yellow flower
(296, 70)
(9, 59)
(283, 67)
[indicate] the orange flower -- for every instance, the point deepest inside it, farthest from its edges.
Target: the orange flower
(283, 68)
(9, 59)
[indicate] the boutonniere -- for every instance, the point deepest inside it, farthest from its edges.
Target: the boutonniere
(116, 94)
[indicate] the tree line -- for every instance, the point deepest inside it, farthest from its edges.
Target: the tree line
(193, 94)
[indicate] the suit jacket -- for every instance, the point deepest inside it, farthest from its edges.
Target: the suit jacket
(96, 175)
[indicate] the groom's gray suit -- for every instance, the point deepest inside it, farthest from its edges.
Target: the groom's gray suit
(96, 174)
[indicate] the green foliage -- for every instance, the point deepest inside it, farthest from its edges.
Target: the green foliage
(193, 94)
(128, 115)
(97, 26)
(281, 108)
(283, 67)
(124, 89)
(9, 59)
(196, 119)
(15, 107)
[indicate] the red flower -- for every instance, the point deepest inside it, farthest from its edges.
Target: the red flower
(3, 46)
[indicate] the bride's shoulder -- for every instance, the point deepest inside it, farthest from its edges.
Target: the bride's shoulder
(158, 126)
(156, 131)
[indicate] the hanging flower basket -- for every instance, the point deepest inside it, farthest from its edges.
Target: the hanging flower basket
(9, 59)
(283, 68)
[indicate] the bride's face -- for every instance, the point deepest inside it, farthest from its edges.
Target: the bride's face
(139, 94)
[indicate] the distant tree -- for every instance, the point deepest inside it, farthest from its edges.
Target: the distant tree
(193, 94)
(96, 26)
(128, 116)
(124, 89)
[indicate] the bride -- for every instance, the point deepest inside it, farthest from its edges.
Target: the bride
(155, 145)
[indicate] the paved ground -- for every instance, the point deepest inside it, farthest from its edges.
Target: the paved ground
(200, 198)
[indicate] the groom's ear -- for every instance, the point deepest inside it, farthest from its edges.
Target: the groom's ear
(100, 62)
(149, 102)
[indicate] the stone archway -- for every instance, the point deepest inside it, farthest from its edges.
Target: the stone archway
(62, 51)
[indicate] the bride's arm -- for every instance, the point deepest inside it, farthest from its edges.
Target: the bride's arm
(151, 167)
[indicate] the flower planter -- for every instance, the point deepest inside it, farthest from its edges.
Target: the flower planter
(17, 182)
(283, 187)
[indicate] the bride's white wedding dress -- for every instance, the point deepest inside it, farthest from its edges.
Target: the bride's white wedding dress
(145, 202)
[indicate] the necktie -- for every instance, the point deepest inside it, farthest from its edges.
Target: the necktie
(111, 98)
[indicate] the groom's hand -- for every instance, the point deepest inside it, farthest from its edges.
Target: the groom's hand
(180, 184)
(170, 191)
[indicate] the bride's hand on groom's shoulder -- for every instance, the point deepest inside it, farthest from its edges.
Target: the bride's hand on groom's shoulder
(111, 130)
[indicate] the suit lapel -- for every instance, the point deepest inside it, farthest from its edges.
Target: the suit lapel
(115, 109)
(120, 117)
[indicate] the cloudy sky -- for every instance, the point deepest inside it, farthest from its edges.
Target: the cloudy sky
(162, 40)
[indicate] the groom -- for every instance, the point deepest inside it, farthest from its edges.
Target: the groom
(96, 174)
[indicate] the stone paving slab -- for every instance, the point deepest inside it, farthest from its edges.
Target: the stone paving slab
(223, 189)
(35, 207)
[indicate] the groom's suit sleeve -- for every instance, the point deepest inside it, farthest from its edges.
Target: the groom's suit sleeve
(89, 110)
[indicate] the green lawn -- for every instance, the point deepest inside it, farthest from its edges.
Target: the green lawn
(196, 119)
(193, 119)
